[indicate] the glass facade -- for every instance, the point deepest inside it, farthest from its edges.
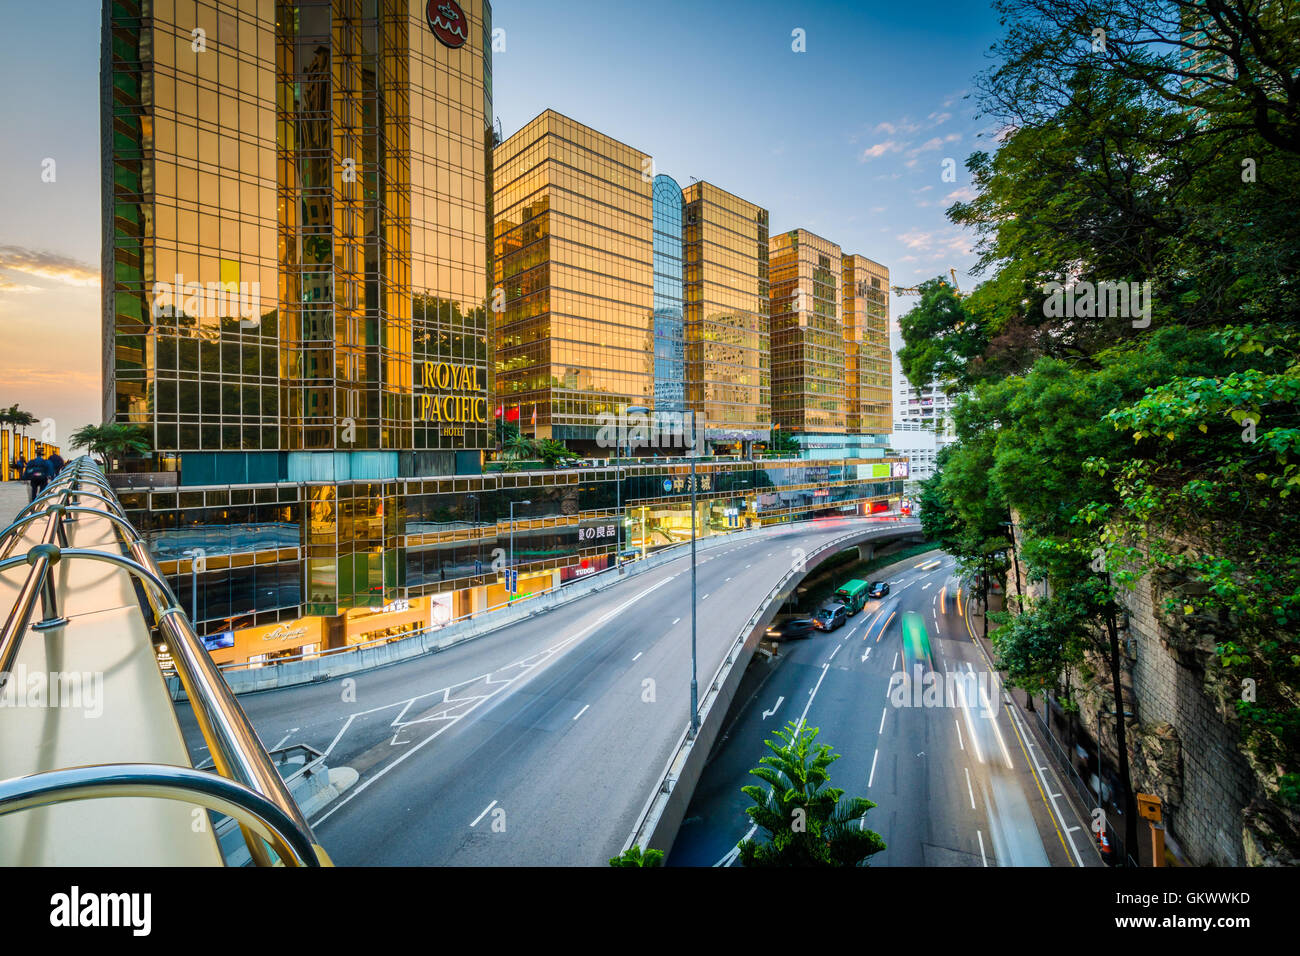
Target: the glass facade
(574, 263)
(276, 552)
(868, 372)
(808, 389)
(670, 342)
(267, 287)
(728, 369)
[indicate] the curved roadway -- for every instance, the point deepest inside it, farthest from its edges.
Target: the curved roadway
(536, 744)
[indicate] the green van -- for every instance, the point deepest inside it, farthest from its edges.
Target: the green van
(853, 595)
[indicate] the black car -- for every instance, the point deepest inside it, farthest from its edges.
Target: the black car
(831, 617)
(790, 629)
(878, 589)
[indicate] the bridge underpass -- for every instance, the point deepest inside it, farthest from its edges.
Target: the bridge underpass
(539, 743)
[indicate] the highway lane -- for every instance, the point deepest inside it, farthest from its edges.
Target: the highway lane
(951, 780)
(538, 743)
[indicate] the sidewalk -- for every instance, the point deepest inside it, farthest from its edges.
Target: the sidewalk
(1032, 721)
(14, 495)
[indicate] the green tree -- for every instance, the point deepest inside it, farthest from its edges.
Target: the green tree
(633, 856)
(807, 822)
(112, 440)
(554, 452)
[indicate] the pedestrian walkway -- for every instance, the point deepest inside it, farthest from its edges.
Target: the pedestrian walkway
(13, 496)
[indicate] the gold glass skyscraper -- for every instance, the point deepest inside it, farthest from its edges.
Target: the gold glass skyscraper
(808, 392)
(728, 370)
(868, 374)
(574, 263)
(297, 197)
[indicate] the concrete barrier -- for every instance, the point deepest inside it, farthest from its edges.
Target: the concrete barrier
(662, 815)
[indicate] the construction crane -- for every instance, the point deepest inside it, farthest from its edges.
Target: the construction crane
(916, 289)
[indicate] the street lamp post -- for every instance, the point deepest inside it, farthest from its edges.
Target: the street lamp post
(695, 692)
(194, 555)
(618, 485)
(512, 572)
(643, 540)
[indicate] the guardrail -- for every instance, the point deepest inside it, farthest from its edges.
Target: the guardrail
(248, 788)
(665, 807)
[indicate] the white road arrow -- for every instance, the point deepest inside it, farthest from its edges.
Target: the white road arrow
(769, 713)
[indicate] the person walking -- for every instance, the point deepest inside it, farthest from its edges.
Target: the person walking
(20, 465)
(56, 464)
(37, 475)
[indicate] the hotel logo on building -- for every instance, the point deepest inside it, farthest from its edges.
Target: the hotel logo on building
(457, 398)
(448, 23)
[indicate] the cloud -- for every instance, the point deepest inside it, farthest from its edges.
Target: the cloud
(965, 194)
(904, 126)
(880, 149)
(47, 265)
(8, 285)
(938, 118)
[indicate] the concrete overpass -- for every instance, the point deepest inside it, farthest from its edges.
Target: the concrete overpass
(542, 742)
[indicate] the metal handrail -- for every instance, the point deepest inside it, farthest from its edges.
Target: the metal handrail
(237, 752)
(247, 807)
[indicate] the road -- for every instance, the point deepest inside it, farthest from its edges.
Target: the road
(950, 771)
(535, 744)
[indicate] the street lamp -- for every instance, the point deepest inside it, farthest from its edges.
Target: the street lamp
(695, 692)
(618, 486)
(196, 556)
(478, 539)
(643, 542)
(511, 569)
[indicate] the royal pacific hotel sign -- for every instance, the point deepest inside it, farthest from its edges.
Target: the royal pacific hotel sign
(451, 396)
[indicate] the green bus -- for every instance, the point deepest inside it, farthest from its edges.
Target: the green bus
(853, 595)
(916, 643)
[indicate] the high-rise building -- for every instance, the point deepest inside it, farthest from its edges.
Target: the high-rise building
(669, 312)
(575, 263)
(296, 199)
(867, 357)
(728, 364)
(808, 394)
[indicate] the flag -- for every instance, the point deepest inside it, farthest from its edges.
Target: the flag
(501, 410)
(534, 421)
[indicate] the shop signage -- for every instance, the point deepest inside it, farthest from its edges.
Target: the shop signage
(448, 23)
(285, 632)
(396, 607)
(599, 532)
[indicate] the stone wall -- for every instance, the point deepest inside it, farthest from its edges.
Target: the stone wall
(1182, 732)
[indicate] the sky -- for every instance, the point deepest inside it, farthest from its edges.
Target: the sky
(846, 138)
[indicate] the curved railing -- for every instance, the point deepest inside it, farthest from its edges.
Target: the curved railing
(249, 788)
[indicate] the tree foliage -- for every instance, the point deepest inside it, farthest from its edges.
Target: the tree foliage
(807, 822)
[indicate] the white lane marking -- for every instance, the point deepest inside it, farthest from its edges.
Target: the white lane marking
(705, 598)
(526, 665)
(676, 619)
(769, 713)
(982, 856)
(894, 666)
(638, 654)
(959, 740)
(970, 721)
(925, 585)
(1031, 746)
(834, 652)
(969, 788)
(867, 654)
(581, 712)
(728, 579)
(811, 695)
(871, 778)
(483, 814)
(747, 567)
(881, 729)
(282, 741)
